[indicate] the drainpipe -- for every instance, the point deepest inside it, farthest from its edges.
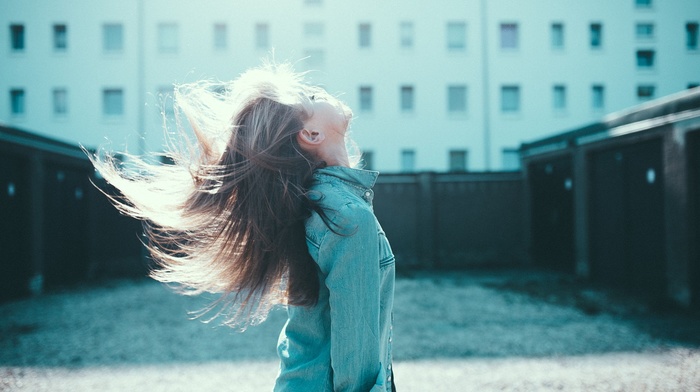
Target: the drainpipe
(141, 72)
(485, 84)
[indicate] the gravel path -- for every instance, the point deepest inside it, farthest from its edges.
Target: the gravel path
(454, 331)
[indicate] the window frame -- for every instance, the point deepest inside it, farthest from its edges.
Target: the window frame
(458, 160)
(407, 96)
(109, 31)
(59, 101)
(509, 31)
(595, 30)
(598, 97)
(18, 37)
(60, 37)
(364, 35)
(107, 111)
(18, 102)
(262, 35)
(460, 92)
(645, 59)
(692, 31)
(366, 98)
(456, 36)
(168, 37)
(220, 36)
(557, 35)
(513, 104)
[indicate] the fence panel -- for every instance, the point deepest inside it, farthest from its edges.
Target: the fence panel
(15, 232)
(551, 185)
(479, 219)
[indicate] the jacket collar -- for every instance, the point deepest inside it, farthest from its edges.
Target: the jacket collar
(357, 177)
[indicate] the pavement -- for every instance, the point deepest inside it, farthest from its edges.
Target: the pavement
(508, 330)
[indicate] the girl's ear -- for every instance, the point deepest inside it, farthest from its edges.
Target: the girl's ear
(309, 137)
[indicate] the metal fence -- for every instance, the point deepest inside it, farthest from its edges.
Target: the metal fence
(55, 226)
(437, 220)
(618, 201)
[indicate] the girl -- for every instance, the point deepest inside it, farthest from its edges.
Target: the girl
(265, 208)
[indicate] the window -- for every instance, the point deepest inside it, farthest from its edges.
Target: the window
(407, 98)
(60, 37)
(644, 31)
(457, 99)
(456, 36)
(365, 35)
(509, 36)
(313, 30)
(220, 36)
(112, 37)
(60, 101)
(643, 3)
(406, 33)
(366, 103)
(166, 101)
(510, 159)
(408, 161)
(113, 102)
(262, 36)
(691, 30)
(559, 97)
(645, 59)
(458, 160)
(168, 37)
(17, 37)
(510, 99)
(557, 36)
(598, 97)
(368, 160)
(17, 98)
(596, 35)
(646, 92)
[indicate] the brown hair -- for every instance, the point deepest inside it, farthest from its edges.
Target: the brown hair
(228, 216)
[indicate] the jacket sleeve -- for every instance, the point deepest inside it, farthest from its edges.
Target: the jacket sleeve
(351, 263)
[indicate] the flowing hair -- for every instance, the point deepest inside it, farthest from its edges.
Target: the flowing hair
(227, 216)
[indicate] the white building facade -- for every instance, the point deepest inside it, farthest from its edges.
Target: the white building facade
(444, 85)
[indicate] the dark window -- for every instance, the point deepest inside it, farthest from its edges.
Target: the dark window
(60, 37)
(646, 92)
(557, 35)
(691, 30)
(17, 101)
(17, 37)
(509, 36)
(510, 99)
(112, 37)
(596, 35)
(113, 102)
(407, 98)
(366, 104)
(457, 99)
(458, 160)
(645, 59)
(598, 92)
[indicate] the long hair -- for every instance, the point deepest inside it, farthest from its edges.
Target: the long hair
(228, 216)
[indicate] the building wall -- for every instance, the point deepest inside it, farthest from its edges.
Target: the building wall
(483, 130)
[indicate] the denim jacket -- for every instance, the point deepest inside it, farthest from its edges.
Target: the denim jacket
(344, 342)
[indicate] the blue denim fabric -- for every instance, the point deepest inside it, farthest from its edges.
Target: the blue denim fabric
(344, 342)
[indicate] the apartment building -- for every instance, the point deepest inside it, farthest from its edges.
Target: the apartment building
(445, 85)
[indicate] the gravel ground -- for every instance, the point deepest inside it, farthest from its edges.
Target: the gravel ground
(454, 331)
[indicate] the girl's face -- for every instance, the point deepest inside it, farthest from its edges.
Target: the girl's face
(325, 131)
(330, 117)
